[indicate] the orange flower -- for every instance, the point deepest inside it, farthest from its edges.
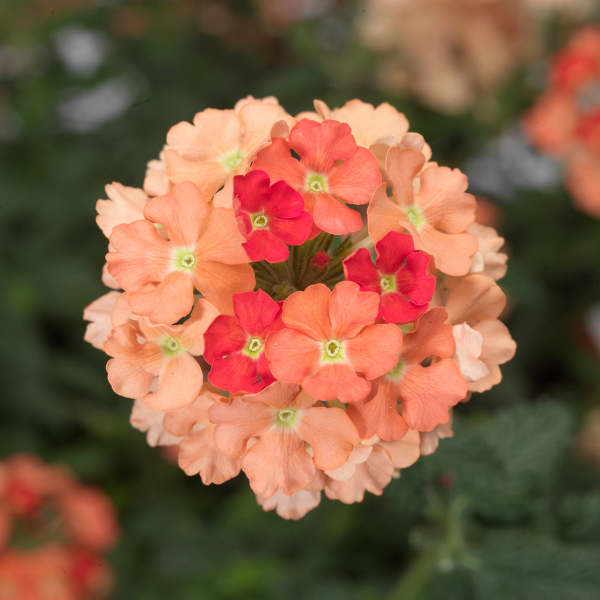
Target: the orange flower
(437, 216)
(167, 353)
(283, 418)
(330, 344)
(205, 251)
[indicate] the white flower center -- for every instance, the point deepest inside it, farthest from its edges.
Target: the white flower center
(332, 347)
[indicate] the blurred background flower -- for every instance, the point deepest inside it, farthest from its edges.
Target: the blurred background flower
(509, 507)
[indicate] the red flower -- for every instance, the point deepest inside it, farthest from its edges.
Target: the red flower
(269, 216)
(400, 276)
(325, 185)
(235, 346)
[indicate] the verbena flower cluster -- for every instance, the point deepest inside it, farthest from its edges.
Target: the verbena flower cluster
(565, 120)
(323, 274)
(53, 534)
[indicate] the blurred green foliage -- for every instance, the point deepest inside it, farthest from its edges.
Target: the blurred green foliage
(502, 510)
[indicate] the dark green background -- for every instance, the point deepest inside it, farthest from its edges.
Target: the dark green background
(503, 510)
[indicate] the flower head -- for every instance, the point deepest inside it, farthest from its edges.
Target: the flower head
(284, 418)
(332, 172)
(204, 251)
(400, 276)
(330, 343)
(235, 346)
(269, 216)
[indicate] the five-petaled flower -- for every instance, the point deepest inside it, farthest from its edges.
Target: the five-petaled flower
(235, 346)
(325, 184)
(330, 343)
(167, 353)
(284, 418)
(400, 276)
(269, 216)
(204, 251)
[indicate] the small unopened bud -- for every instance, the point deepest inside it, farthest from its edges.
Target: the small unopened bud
(320, 260)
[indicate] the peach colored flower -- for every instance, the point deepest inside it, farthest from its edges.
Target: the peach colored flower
(198, 453)
(437, 215)
(478, 301)
(125, 205)
(330, 343)
(426, 393)
(430, 440)
(205, 251)
(167, 353)
(222, 143)
(331, 173)
(156, 182)
(488, 260)
(151, 422)
(99, 313)
(284, 418)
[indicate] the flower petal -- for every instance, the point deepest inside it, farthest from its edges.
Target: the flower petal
(308, 311)
(332, 216)
(404, 452)
(224, 337)
(293, 506)
(359, 267)
(350, 310)
(355, 180)
(221, 240)
(402, 166)
(395, 308)
(293, 231)
(181, 421)
(208, 175)
(150, 421)
(255, 311)
(293, 355)
(278, 162)
(251, 190)
(432, 337)
(284, 201)
(236, 373)
(392, 252)
(126, 204)
(374, 351)
(202, 316)
(278, 396)
(99, 313)
(339, 381)
(383, 215)
(264, 245)
(474, 298)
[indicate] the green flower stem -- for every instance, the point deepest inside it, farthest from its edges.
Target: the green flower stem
(412, 584)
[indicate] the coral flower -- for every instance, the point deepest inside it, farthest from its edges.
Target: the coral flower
(330, 344)
(235, 346)
(400, 276)
(125, 205)
(426, 393)
(222, 143)
(168, 353)
(198, 454)
(204, 250)
(436, 216)
(283, 418)
(269, 217)
(325, 185)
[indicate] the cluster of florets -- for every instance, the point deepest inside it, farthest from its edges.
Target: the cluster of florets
(565, 121)
(53, 534)
(327, 279)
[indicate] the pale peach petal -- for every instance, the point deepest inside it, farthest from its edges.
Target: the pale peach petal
(192, 339)
(493, 262)
(122, 312)
(294, 507)
(498, 348)
(278, 461)
(404, 452)
(402, 166)
(432, 337)
(126, 205)
(221, 240)
(452, 252)
(279, 395)
(214, 133)
(179, 383)
(182, 421)
(443, 201)
(99, 313)
(218, 282)
(350, 310)
(150, 421)
(370, 476)
(171, 299)
(383, 215)
(468, 344)
(430, 440)
(257, 119)
(208, 175)
(331, 434)
(308, 311)
(474, 298)
(347, 469)
(182, 211)
(141, 255)
(337, 380)
(199, 455)
(224, 197)
(374, 351)
(237, 422)
(108, 280)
